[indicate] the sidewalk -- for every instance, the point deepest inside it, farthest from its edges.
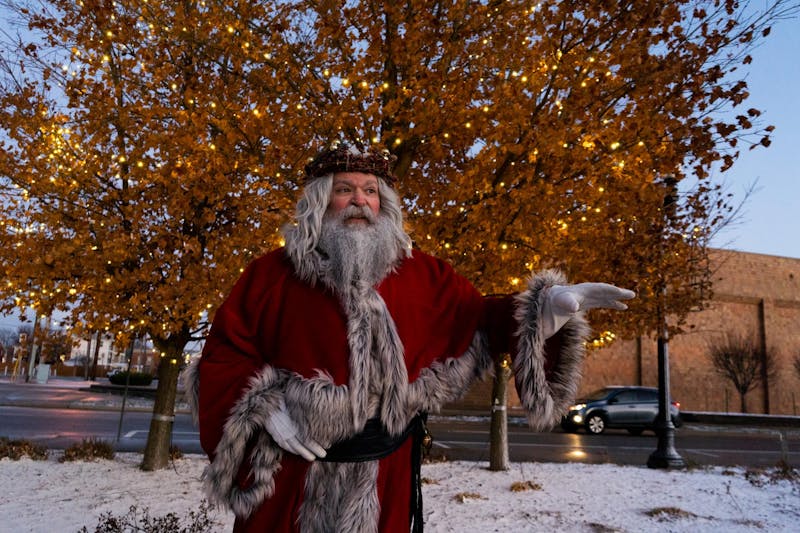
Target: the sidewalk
(60, 382)
(77, 393)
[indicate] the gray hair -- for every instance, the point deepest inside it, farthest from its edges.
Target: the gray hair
(302, 237)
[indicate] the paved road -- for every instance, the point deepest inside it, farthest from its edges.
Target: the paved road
(58, 428)
(60, 416)
(697, 444)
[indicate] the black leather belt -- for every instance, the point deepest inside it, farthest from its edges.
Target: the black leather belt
(375, 443)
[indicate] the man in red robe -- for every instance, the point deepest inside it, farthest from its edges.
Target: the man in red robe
(327, 352)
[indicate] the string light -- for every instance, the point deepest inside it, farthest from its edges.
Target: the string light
(604, 339)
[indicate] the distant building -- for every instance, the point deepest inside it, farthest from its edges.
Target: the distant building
(107, 354)
(144, 357)
(755, 295)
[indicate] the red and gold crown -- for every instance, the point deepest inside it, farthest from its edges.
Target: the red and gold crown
(344, 156)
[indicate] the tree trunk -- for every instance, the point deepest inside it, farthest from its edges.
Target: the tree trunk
(98, 339)
(743, 400)
(498, 433)
(159, 438)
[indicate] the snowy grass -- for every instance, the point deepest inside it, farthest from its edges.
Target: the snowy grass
(49, 496)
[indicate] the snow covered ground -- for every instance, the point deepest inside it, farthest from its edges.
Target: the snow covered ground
(53, 497)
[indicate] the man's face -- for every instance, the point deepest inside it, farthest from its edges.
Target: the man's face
(354, 189)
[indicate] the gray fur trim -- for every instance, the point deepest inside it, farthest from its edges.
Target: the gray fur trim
(546, 400)
(323, 411)
(320, 408)
(343, 496)
(340, 497)
(449, 380)
(246, 421)
(358, 308)
(191, 387)
(390, 368)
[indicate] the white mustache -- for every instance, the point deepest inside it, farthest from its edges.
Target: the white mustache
(354, 211)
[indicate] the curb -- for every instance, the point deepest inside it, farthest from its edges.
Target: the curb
(741, 419)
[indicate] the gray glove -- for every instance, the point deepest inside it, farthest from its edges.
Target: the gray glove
(563, 301)
(284, 432)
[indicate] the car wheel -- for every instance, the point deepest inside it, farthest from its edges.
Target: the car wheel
(676, 421)
(596, 424)
(635, 431)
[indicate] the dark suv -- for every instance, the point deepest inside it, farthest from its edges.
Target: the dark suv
(631, 408)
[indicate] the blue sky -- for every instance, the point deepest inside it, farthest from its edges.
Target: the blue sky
(768, 224)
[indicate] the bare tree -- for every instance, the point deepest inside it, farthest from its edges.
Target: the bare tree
(740, 360)
(797, 365)
(8, 339)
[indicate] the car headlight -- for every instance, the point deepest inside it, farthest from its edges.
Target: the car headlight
(577, 407)
(578, 419)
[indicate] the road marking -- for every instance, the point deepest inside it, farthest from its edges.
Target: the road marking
(460, 443)
(132, 434)
(611, 449)
(698, 452)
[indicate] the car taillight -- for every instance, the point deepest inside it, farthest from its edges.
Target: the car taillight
(677, 404)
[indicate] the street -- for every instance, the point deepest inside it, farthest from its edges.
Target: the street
(697, 444)
(59, 428)
(58, 417)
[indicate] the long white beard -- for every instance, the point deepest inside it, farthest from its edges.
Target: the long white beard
(359, 255)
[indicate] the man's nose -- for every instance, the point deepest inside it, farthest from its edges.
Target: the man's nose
(358, 198)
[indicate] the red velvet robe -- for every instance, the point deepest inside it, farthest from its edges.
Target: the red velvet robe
(274, 320)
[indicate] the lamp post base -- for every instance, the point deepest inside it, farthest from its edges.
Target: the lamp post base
(666, 460)
(665, 456)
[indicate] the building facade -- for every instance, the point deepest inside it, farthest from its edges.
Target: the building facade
(754, 295)
(144, 358)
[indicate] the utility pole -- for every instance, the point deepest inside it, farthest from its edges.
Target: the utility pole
(98, 340)
(129, 355)
(88, 358)
(33, 353)
(665, 455)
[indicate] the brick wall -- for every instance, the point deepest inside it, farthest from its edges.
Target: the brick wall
(756, 295)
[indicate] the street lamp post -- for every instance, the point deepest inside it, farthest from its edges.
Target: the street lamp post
(665, 455)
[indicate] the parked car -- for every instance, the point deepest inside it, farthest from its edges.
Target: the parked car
(631, 408)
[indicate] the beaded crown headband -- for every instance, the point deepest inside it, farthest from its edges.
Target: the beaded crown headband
(343, 156)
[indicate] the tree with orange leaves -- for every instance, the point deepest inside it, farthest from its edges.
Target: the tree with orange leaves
(151, 149)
